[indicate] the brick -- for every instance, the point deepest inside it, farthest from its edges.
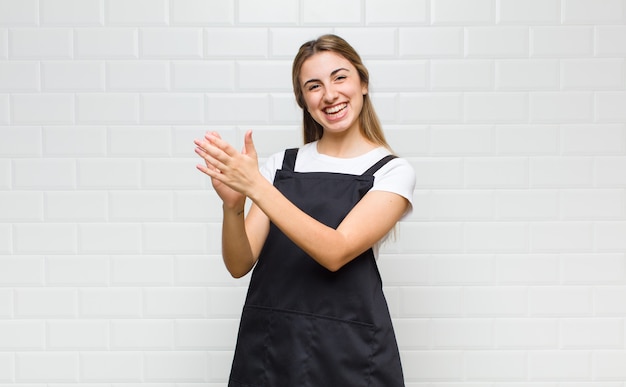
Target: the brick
(434, 365)
(561, 41)
(432, 237)
(431, 42)
(609, 301)
(7, 367)
(593, 12)
(596, 268)
(48, 238)
(144, 270)
(285, 42)
(431, 301)
(176, 302)
(592, 204)
(49, 43)
(106, 43)
(609, 236)
(115, 108)
(346, 13)
(560, 301)
(144, 141)
(172, 42)
(173, 108)
(569, 172)
(401, 269)
(460, 269)
(272, 12)
(111, 366)
(168, 173)
(4, 109)
(610, 106)
(561, 236)
(19, 76)
(396, 12)
(526, 139)
(496, 365)
(108, 302)
(507, 172)
(203, 76)
(609, 365)
(461, 333)
(528, 12)
(22, 335)
(411, 141)
(44, 174)
(45, 303)
(47, 109)
(593, 139)
(559, 365)
(77, 270)
(498, 42)
(284, 109)
(463, 75)
(438, 172)
(74, 140)
(496, 237)
(461, 12)
(592, 74)
(73, 206)
(21, 271)
(109, 173)
(183, 137)
(206, 334)
(488, 301)
(607, 171)
(140, 206)
(138, 76)
(201, 271)
(226, 302)
(239, 42)
(84, 12)
(68, 76)
(4, 43)
(137, 12)
(591, 333)
(465, 205)
(21, 206)
(20, 141)
(398, 75)
(6, 240)
(109, 238)
(561, 107)
(610, 40)
(266, 75)
(22, 13)
(526, 333)
(7, 303)
(370, 42)
(413, 333)
(176, 366)
(507, 107)
(525, 204)
(66, 335)
(174, 238)
(527, 74)
(46, 367)
(237, 109)
(430, 108)
(199, 12)
(142, 334)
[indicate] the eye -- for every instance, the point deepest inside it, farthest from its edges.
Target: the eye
(313, 87)
(341, 77)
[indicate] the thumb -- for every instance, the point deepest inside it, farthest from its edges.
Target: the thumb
(248, 145)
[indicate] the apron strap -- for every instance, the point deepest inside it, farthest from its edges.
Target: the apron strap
(378, 165)
(289, 160)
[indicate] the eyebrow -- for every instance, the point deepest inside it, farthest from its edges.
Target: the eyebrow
(331, 74)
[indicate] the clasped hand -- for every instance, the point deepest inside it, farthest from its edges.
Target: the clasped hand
(233, 174)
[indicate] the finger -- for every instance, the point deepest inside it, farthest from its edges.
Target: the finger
(249, 148)
(215, 140)
(210, 161)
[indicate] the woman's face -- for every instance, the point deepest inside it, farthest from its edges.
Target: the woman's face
(333, 91)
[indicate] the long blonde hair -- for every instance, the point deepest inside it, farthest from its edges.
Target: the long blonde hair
(368, 120)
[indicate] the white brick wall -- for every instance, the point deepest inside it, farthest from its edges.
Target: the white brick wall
(511, 272)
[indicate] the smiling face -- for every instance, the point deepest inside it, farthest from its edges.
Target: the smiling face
(332, 91)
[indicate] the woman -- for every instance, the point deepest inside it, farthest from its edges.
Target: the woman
(315, 314)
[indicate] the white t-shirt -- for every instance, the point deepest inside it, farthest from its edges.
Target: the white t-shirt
(396, 176)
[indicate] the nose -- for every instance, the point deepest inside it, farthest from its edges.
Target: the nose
(330, 94)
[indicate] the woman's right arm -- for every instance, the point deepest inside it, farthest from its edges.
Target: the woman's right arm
(243, 238)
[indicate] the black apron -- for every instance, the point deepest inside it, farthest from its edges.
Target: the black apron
(303, 325)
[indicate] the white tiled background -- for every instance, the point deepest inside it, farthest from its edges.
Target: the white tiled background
(510, 273)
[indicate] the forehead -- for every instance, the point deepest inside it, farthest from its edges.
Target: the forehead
(322, 64)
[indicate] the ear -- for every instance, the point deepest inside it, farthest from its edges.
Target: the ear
(364, 89)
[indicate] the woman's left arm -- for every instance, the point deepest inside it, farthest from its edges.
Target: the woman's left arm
(368, 222)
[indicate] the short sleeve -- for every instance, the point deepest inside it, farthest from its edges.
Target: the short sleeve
(397, 176)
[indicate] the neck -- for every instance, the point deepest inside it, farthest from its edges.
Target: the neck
(342, 145)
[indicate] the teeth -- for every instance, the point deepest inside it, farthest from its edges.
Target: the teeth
(335, 109)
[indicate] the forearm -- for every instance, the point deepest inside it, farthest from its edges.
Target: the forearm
(236, 251)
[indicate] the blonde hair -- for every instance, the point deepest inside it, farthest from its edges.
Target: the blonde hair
(368, 120)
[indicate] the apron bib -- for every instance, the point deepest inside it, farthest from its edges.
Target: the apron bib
(303, 325)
